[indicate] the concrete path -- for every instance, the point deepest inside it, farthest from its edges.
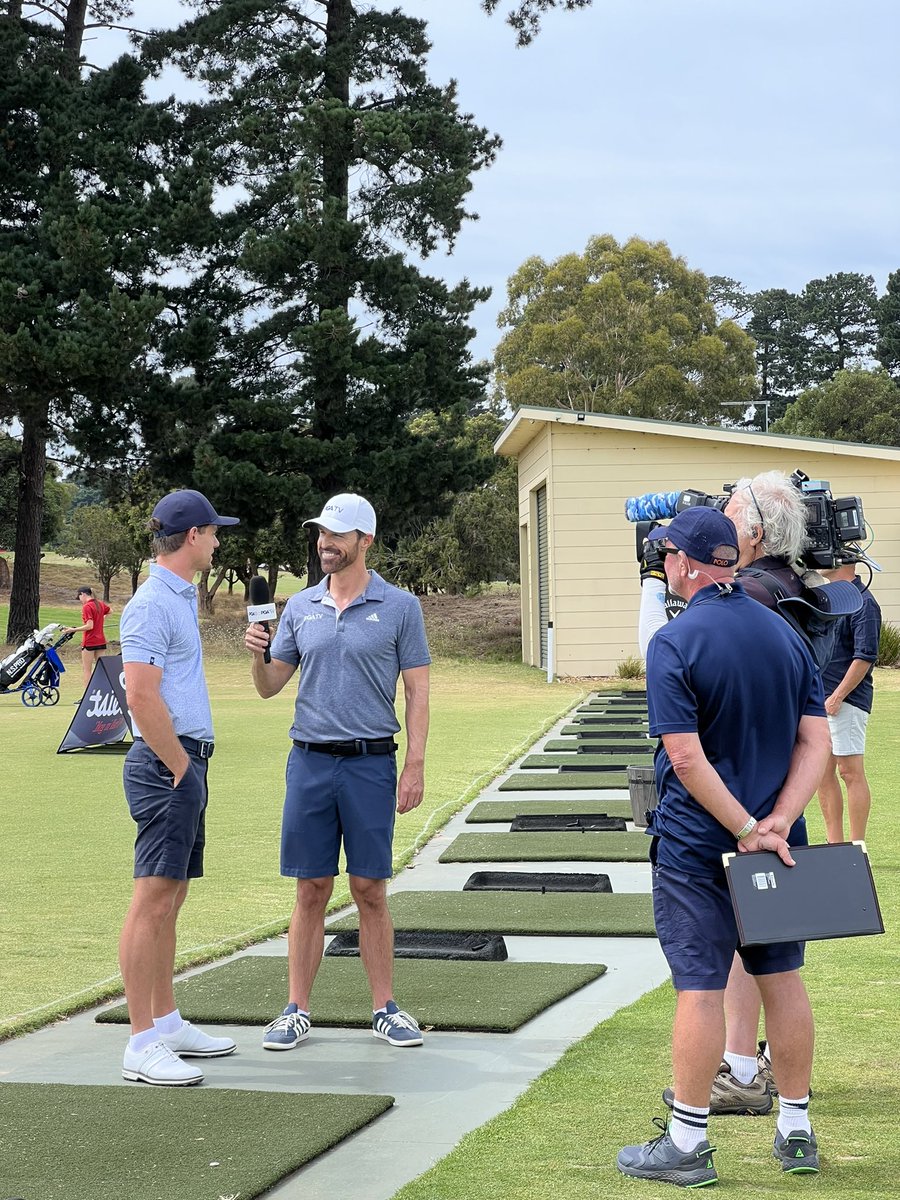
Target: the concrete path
(444, 1089)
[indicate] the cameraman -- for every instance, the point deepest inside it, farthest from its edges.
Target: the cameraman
(770, 518)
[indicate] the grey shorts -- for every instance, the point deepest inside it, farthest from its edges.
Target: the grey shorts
(171, 822)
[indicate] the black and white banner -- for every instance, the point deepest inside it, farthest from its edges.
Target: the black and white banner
(102, 716)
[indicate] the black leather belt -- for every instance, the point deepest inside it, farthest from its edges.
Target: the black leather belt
(200, 749)
(350, 749)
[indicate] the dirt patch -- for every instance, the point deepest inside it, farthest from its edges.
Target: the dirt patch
(488, 626)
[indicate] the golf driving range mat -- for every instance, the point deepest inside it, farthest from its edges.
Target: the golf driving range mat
(547, 847)
(579, 762)
(419, 943)
(61, 1141)
(566, 823)
(595, 746)
(542, 781)
(505, 810)
(536, 881)
(614, 730)
(484, 997)
(523, 914)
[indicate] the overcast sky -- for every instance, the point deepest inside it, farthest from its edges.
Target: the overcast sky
(759, 141)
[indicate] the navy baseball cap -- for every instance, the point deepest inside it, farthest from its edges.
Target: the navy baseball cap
(180, 511)
(704, 534)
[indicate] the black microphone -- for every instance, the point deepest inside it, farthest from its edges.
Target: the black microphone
(260, 609)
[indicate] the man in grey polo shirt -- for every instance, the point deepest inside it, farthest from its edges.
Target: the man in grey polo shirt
(352, 635)
(165, 785)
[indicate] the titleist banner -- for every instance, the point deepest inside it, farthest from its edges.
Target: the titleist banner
(101, 718)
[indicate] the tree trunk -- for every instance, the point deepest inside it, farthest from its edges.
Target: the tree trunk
(74, 36)
(136, 579)
(106, 581)
(25, 597)
(331, 291)
(5, 577)
(273, 579)
(24, 600)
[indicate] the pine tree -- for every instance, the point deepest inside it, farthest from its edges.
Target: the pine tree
(347, 162)
(86, 211)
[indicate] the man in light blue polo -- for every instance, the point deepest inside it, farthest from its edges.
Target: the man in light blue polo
(165, 785)
(352, 635)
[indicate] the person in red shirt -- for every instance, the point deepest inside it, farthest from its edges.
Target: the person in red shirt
(94, 641)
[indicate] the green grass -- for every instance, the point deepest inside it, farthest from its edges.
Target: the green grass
(66, 851)
(562, 1135)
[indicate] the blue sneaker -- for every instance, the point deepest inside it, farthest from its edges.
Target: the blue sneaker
(396, 1027)
(798, 1153)
(660, 1159)
(287, 1031)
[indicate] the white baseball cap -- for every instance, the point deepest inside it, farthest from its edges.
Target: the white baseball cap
(346, 512)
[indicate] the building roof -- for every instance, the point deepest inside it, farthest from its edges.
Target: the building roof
(526, 421)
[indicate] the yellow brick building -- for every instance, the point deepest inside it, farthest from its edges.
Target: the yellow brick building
(577, 551)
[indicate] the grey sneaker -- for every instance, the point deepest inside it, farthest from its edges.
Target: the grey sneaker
(660, 1159)
(730, 1098)
(798, 1153)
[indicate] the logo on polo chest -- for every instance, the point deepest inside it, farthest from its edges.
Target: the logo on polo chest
(373, 617)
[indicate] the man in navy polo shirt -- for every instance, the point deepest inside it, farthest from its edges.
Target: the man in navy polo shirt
(352, 636)
(737, 700)
(165, 784)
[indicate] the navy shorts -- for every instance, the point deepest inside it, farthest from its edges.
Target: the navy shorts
(171, 821)
(329, 799)
(698, 933)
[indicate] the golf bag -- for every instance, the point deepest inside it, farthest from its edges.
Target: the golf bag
(15, 665)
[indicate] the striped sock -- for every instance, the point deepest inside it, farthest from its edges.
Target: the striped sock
(793, 1114)
(687, 1128)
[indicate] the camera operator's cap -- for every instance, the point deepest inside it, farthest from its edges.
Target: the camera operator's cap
(704, 534)
(180, 511)
(345, 513)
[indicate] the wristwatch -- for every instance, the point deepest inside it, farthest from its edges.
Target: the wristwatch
(748, 828)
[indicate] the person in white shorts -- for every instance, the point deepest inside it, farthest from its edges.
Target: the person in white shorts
(848, 702)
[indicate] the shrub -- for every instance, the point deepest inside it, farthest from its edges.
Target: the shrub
(889, 646)
(630, 668)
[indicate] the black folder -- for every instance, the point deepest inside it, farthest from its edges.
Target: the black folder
(830, 893)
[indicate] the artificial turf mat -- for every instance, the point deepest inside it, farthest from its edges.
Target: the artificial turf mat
(80, 1142)
(486, 997)
(614, 731)
(547, 847)
(505, 810)
(580, 762)
(534, 781)
(585, 745)
(570, 914)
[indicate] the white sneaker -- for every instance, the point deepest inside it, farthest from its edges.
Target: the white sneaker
(157, 1064)
(191, 1042)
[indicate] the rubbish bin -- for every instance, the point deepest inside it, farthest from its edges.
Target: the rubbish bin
(642, 792)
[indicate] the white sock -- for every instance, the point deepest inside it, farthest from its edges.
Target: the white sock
(792, 1115)
(140, 1041)
(687, 1128)
(742, 1066)
(169, 1024)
